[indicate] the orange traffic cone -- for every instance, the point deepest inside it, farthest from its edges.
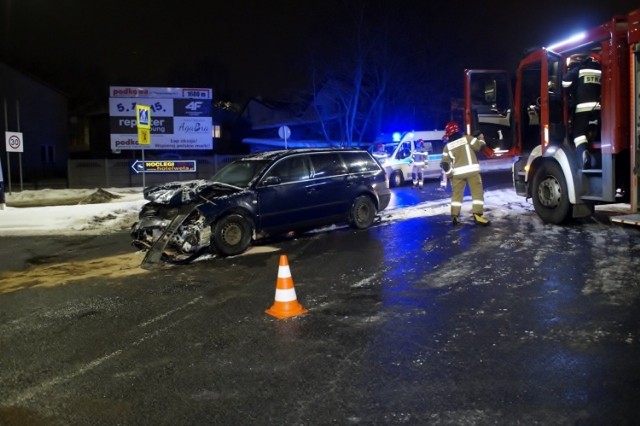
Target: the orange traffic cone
(286, 304)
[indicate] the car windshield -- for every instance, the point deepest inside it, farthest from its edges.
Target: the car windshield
(383, 150)
(240, 173)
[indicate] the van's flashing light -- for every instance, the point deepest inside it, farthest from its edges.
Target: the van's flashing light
(574, 38)
(396, 136)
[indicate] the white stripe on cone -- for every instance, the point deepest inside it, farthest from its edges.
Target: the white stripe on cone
(286, 295)
(284, 271)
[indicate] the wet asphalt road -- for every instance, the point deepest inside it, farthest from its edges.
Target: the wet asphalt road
(412, 322)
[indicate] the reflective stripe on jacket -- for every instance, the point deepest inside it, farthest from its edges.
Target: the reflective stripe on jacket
(461, 155)
(419, 157)
(585, 84)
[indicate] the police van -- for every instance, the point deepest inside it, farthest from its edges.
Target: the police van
(395, 157)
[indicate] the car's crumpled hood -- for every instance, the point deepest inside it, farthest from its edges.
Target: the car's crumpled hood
(177, 193)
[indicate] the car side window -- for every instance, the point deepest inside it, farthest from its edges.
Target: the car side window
(359, 162)
(325, 165)
(291, 169)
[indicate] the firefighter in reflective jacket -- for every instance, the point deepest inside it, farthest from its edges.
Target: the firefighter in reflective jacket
(583, 80)
(461, 165)
(419, 158)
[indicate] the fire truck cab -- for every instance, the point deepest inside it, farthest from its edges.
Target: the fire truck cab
(529, 116)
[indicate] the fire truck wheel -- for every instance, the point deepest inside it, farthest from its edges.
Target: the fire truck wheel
(550, 195)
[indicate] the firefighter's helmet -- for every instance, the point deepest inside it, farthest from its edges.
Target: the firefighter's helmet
(451, 129)
(575, 60)
(420, 143)
(593, 57)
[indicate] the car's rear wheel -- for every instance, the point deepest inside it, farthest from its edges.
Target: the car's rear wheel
(363, 212)
(231, 235)
(396, 179)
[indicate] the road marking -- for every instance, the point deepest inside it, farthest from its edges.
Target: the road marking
(166, 314)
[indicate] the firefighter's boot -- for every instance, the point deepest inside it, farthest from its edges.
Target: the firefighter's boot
(455, 220)
(480, 220)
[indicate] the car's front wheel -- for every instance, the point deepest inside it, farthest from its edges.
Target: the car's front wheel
(231, 235)
(363, 212)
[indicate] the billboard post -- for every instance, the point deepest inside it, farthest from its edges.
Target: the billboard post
(3, 202)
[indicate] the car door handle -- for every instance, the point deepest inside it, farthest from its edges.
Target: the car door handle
(314, 187)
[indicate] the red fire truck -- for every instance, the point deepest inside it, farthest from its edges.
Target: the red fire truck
(529, 116)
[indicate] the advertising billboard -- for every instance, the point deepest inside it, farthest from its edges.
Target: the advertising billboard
(180, 117)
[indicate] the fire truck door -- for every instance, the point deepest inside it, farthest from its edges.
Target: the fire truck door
(488, 106)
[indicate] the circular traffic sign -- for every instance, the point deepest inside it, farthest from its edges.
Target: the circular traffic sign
(284, 132)
(14, 142)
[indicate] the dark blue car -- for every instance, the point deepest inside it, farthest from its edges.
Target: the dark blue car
(257, 196)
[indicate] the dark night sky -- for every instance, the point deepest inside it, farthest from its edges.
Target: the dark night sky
(253, 47)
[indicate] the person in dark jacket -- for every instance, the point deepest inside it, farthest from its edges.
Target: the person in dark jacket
(461, 165)
(583, 81)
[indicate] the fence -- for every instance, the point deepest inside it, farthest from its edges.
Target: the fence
(111, 173)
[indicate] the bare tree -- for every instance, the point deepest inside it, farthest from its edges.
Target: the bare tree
(381, 69)
(350, 84)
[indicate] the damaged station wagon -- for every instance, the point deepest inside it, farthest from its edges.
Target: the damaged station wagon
(257, 196)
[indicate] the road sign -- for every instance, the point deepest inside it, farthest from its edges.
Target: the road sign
(14, 141)
(143, 123)
(173, 166)
(144, 136)
(284, 132)
(143, 116)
